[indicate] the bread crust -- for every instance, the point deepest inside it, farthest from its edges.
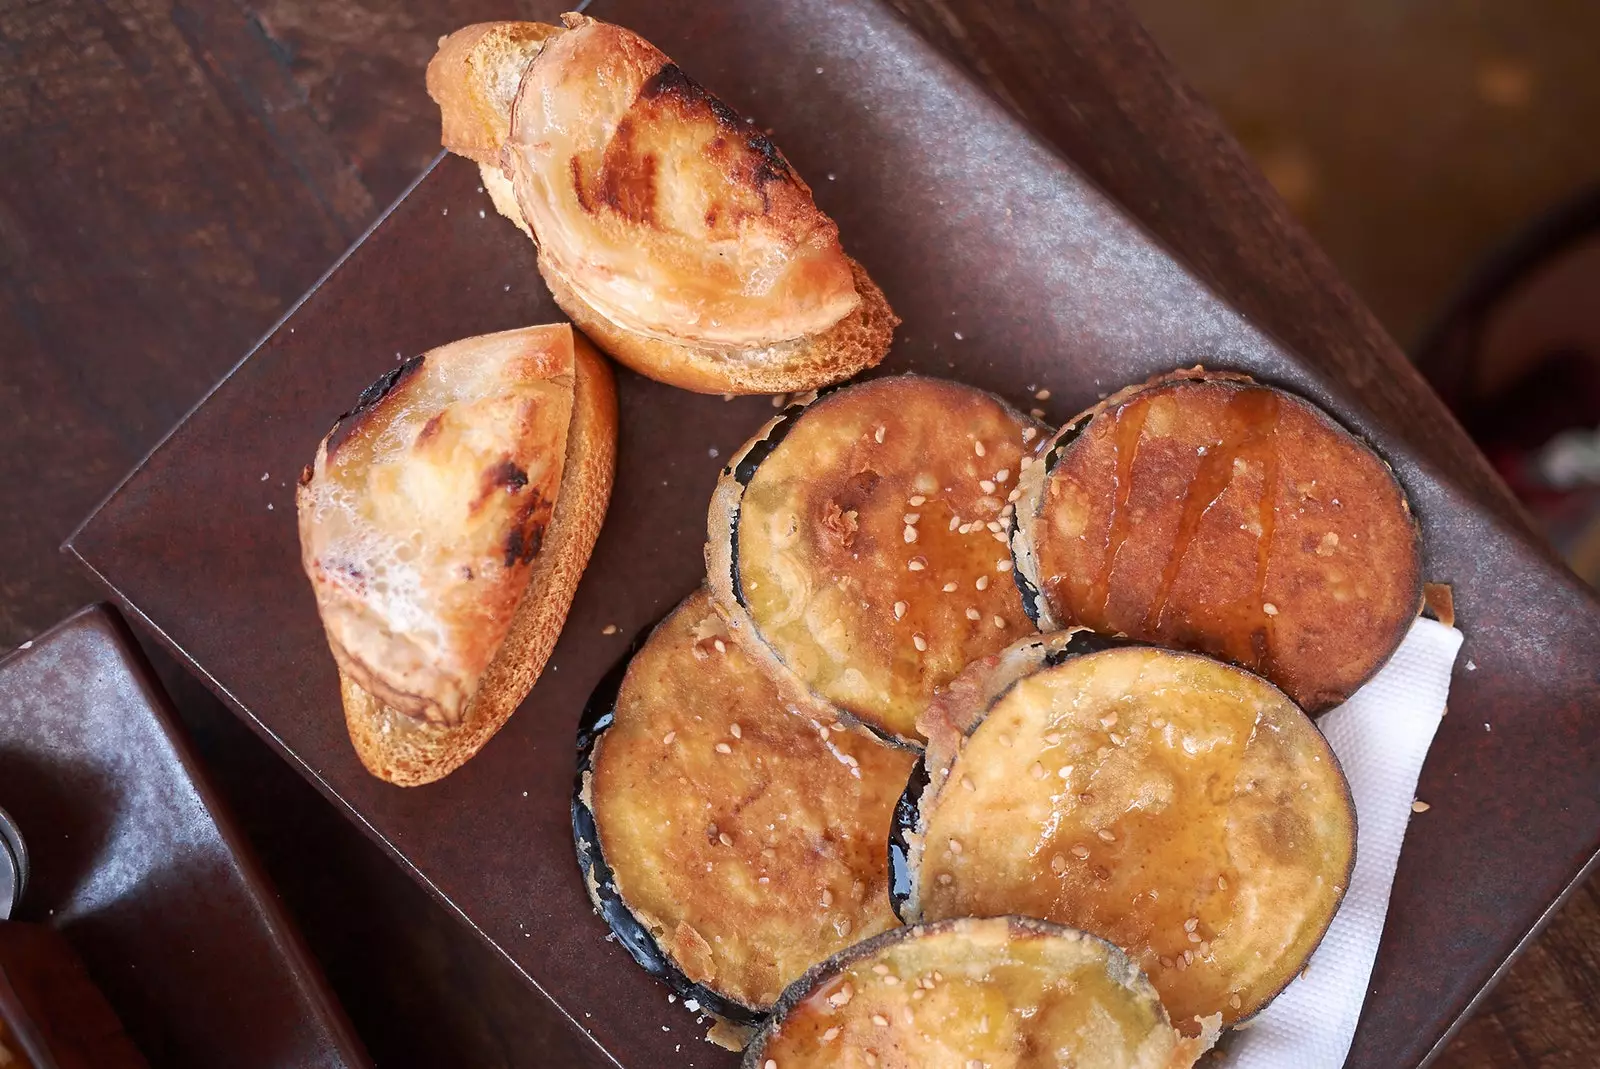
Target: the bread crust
(407, 752)
(474, 78)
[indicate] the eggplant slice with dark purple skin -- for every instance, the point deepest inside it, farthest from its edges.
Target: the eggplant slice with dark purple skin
(999, 992)
(859, 541)
(1179, 807)
(1211, 513)
(730, 832)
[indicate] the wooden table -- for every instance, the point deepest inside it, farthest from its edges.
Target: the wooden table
(178, 173)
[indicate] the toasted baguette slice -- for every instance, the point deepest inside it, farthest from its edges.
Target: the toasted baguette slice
(434, 660)
(668, 267)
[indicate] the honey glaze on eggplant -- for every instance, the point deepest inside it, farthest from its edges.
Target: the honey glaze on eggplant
(1001, 992)
(868, 548)
(1179, 807)
(739, 829)
(1211, 513)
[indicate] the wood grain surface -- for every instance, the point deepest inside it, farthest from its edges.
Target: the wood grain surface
(178, 173)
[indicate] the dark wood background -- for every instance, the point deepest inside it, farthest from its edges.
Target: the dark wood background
(177, 173)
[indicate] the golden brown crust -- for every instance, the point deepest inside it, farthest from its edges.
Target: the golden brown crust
(869, 546)
(474, 79)
(1001, 992)
(1181, 808)
(857, 342)
(1210, 513)
(659, 206)
(740, 824)
(397, 748)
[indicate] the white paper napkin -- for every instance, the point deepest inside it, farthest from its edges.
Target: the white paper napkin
(1381, 736)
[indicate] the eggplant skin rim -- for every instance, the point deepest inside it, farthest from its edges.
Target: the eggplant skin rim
(917, 793)
(1016, 925)
(600, 882)
(722, 541)
(1034, 482)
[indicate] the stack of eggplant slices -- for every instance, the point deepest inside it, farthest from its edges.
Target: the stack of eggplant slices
(989, 746)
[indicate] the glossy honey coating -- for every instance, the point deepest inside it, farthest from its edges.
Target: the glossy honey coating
(870, 548)
(1003, 993)
(1181, 808)
(1214, 514)
(743, 829)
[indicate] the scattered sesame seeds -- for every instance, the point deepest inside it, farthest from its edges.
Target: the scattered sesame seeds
(827, 897)
(880, 1020)
(877, 435)
(1003, 565)
(770, 1063)
(986, 485)
(830, 1035)
(1270, 609)
(1194, 937)
(1108, 721)
(1188, 957)
(973, 614)
(1036, 413)
(966, 781)
(1037, 771)
(1080, 852)
(1222, 883)
(1000, 536)
(736, 731)
(721, 646)
(778, 399)
(978, 448)
(945, 878)
(1420, 806)
(842, 996)
(1042, 395)
(955, 521)
(1191, 924)
(919, 642)
(666, 740)
(609, 629)
(994, 526)
(1058, 864)
(723, 747)
(725, 839)
(1106, 835)
(910, 534)
(999, 622)
(916, 564)
(900, 608)
(1234, 1001)
(955, 846)
(949, 588)
(1117, 740)
(1028, 435)
(1182, 963)
(1002, 475)
(1013, 495)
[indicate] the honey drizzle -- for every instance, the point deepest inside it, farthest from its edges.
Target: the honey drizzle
(1126, 433)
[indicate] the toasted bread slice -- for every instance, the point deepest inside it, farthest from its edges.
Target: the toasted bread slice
(498, 451)
(676, 236)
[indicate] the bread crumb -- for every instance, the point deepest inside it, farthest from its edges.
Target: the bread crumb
(1420, 806)
(609, 629)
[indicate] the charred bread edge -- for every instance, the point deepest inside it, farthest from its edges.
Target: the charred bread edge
(598, 879)
(1119, 967)
(1033, 482)
(909, 822)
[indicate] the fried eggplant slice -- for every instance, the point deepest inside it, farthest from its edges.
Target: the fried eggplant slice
(1175, 805)
(659, 207)
(860, 541)
(731, 833)
(1000, 992)
(1211, 513)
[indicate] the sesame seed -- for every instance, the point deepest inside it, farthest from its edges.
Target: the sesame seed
(842, 996)
(1270, 609)
(1158, 723)
(900, 608)
(871, 1057)
(1188, 957)
(973, 614)
(1042, 395)
(609, 629)
(955, 846)
(945, 878)
(1080, 852)
(986, 485)
(830, 1035)
(723, 747)
(1013, 495)
(1053, 738)
(1222, 883)
(910, 533)
(994, 526)
(877, 435)
(1058, 864)
(966, 781)
(915, 499)
(1106, 836)
(955, 521)
(949, 588)
(725, 839)
(1420, 807)
(905, 1011)
(1191, 924)
(1166, 963)
(891, 980)
(1003, 565)
(827, 897)
(666, 740)
(1037, 771)
(912, 517)
(999, 536)
(1005, 740)
(999, 622)
(736, 731)
(881, 969)
(1036, 413)
(1029, 433)
(1117, 740)
(974, 1063)
(916, 564)
(1233, 1000)
(880, 1020)
(1109, 720)
(722, 647)
(920, 643)
(977, 447)
(1182, 963)
(770, 1063)
(778, 399)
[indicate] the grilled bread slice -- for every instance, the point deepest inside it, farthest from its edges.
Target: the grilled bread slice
(444, 526)
(673, 233)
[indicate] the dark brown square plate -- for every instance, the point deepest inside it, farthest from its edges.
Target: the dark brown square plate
(1012, 271)
(137, 863)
